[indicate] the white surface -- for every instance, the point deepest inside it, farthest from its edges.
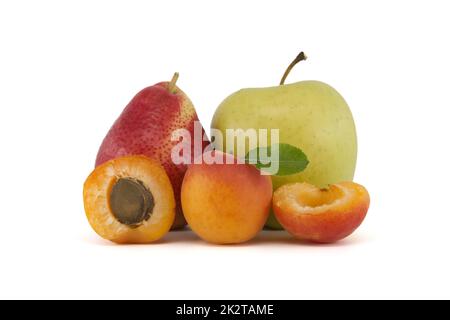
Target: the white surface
(68, 68)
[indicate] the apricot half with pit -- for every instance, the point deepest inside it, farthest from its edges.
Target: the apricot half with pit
(129, 200)
(321, 215)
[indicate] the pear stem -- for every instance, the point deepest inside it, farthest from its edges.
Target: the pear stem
(301, 56)
(172, 83)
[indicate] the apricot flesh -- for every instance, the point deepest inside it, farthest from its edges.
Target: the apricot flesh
(321, 215)
(225, 203)
(129, 200)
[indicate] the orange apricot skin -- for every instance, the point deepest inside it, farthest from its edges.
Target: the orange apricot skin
(328, 226)
(226, 203)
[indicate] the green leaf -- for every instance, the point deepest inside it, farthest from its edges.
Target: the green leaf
(290, 159)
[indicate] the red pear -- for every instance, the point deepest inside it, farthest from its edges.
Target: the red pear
(145, 128)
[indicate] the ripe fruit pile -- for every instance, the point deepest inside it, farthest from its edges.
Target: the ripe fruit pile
(136, 193)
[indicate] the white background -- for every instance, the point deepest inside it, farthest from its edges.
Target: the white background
(67, 69)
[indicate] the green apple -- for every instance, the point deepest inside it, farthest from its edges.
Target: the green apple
(310, 115)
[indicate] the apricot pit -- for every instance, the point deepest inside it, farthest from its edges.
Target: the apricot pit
(131, 202)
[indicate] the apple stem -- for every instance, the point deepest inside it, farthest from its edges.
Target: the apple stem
(172, 83)
(301, 56)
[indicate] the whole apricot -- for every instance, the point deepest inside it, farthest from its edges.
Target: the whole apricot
(225, 203)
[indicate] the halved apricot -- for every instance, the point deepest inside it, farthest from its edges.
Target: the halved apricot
(129, 200)
(321, 215)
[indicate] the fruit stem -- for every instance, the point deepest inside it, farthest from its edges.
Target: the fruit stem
(172, 83)
(301, 56)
